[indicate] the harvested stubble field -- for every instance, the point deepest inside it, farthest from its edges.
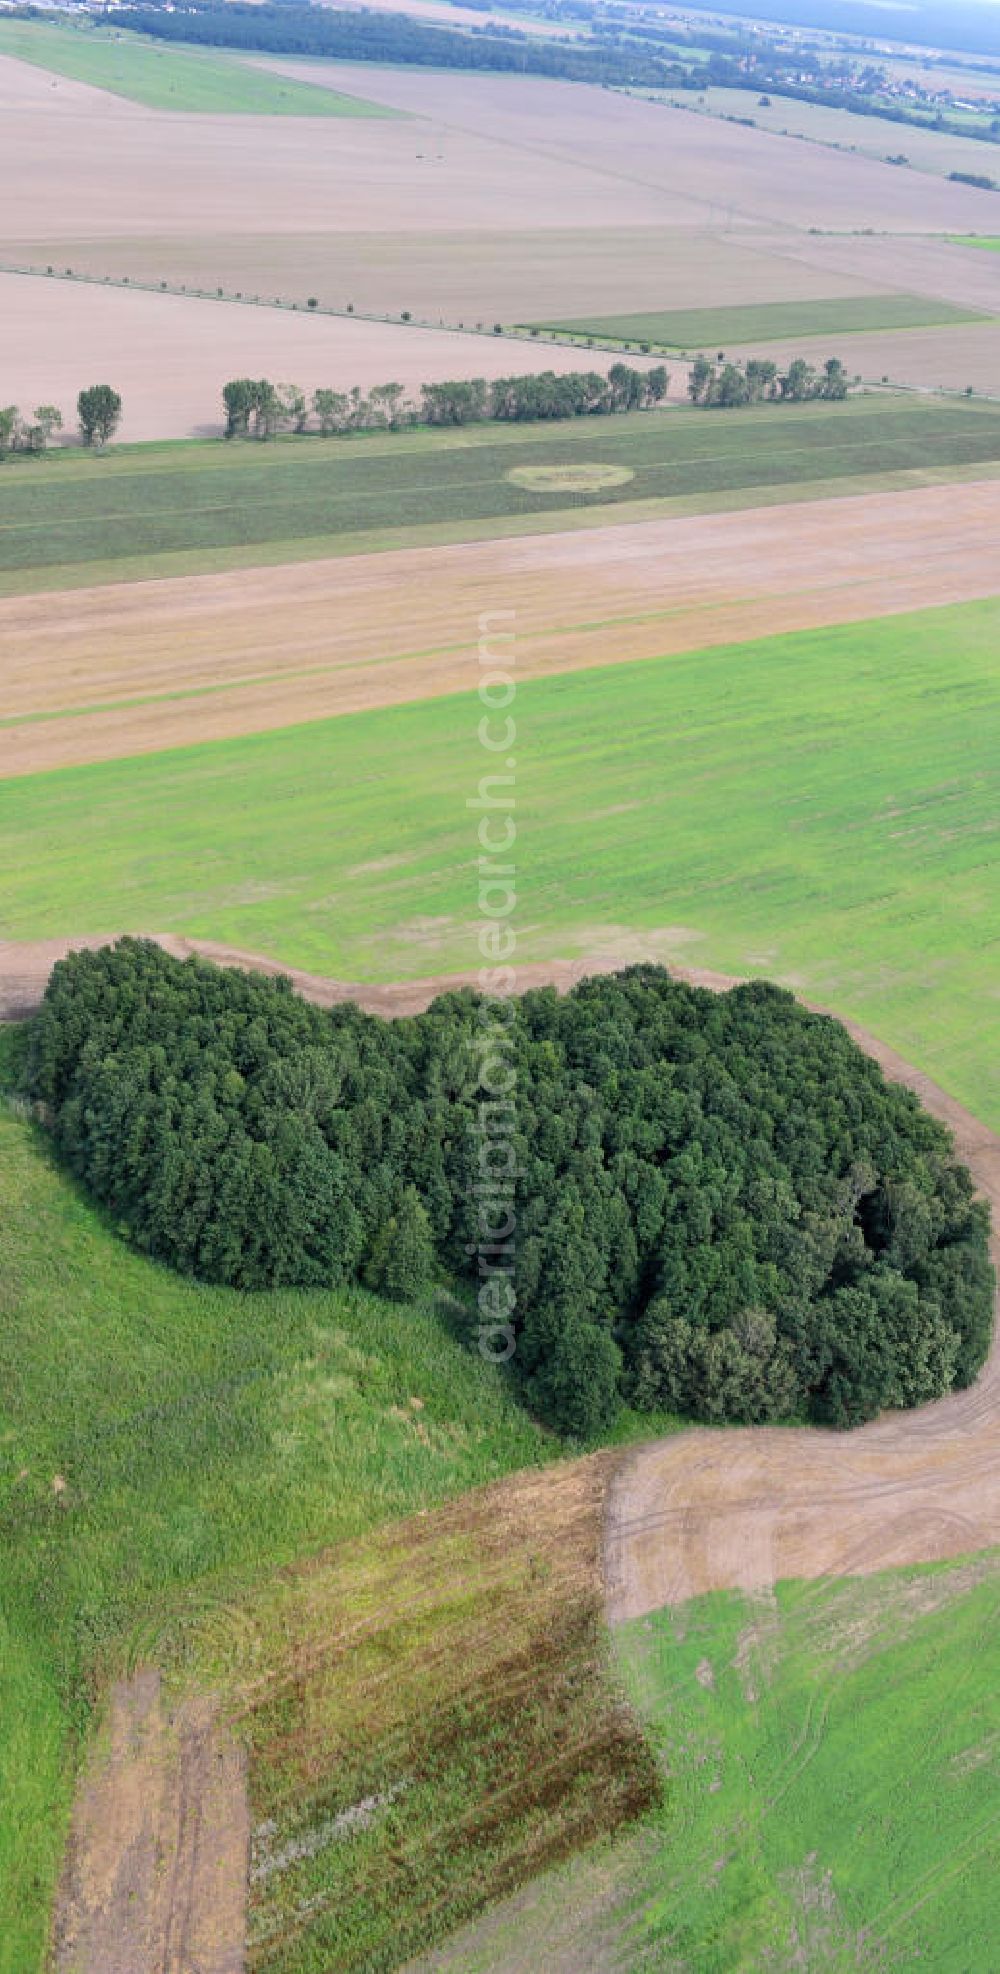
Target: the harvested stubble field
(134, 668)
(928, 150)
(497, 198)
(951, 271)
(171, 354)
(752, 807)
(456, 275)
(918, 359)
(74, 518)
(443, 13)
(701, 172)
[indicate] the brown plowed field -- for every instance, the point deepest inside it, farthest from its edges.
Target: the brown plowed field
(303, 642)
(713, 1510)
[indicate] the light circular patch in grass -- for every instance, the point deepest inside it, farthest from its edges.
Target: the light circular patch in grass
(578, 476)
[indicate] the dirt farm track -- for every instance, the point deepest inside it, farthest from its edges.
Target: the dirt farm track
(713, 1510)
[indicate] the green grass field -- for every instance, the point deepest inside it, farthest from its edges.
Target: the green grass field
(829, 1754)
(75, 517)
(820, 806)
(974, 240)
(725, 328)
(204, 1437)
(866, 1766)
(168, 78)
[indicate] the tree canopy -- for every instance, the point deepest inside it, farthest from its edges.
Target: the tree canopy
(99, 409)
(718, 1204)
(256, 408)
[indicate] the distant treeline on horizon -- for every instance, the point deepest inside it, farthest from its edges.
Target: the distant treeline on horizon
(971, 27)
(287, 27)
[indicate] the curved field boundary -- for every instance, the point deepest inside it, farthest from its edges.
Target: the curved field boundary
(738, 1509)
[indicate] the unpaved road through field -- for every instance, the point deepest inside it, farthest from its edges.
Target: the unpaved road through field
(155, 1875)
(739, 1509)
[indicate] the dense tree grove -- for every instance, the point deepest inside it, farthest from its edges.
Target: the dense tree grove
(256, 408)
(717, 1203)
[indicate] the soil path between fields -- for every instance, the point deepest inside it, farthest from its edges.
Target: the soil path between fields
(734, 1509)
(155, 1875)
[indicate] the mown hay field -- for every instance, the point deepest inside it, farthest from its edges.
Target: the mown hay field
(718, 328)
(115, 515)
(163, 77)
(754, 805)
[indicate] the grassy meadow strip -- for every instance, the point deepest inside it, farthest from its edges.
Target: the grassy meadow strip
(163, 1446)
(133, 506)
(722, 328)
(172, 78)
(757, 801)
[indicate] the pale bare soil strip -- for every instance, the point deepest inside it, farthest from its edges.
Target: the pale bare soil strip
(155, 1876)
(217, 656)
(714, 1510)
